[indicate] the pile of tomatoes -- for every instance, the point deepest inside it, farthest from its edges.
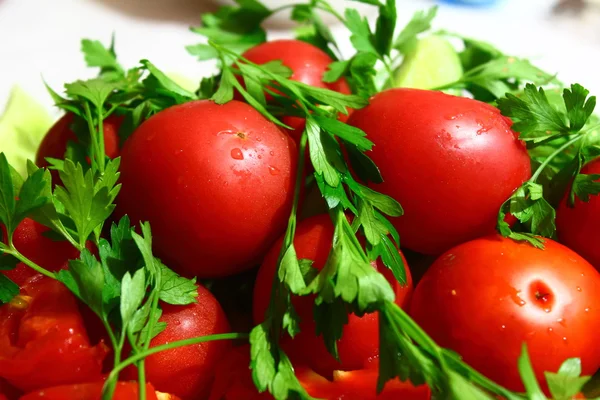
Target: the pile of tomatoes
(216, 183)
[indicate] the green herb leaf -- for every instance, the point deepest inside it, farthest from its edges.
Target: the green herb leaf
(579, 106)
(419, 23)
(176, 289)
(528, 376)
(96, 55)
(133, 291)
(166, 82)
(8, 289)
(85, 279)
(567, 382)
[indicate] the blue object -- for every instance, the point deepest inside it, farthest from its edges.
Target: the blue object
(471, 2)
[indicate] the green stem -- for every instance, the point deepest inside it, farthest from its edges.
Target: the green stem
(169, 346)
(327, 8)
(100, 138)
(13, 250)
(390, 71)
(92, 129)
(547, 161)
(146, 341)
(111, 384)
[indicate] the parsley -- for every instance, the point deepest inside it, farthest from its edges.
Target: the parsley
(539, 122)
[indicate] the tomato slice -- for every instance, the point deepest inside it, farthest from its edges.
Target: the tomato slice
(43, 342)
(233, 380)
(93, 391)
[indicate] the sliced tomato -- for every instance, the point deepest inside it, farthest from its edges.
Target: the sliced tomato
(93, 391)
(43, 341)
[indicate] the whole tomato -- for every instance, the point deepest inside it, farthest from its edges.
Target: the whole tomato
(187, 371)
(578, 226)
(30, 240)
(93, 391)
(308, 64)
(215, 181)
(43, 341)
(485, 298)
(450, 161)
(359, 341)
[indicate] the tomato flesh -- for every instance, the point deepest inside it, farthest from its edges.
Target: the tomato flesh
(43, 341)
(450, 161)
(91, 391)
(486, 297)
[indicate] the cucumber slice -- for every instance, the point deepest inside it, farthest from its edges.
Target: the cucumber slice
(22, 127)
(431, 63)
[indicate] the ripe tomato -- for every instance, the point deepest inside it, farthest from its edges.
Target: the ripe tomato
(93, 391)
(308, 64)
(209, 177)
(486, 297)
(359, 340)
(578, 226)
(54, 143)
(233, 381)
(187, 371)
(455, 161)
(43, 341)
(29, 239)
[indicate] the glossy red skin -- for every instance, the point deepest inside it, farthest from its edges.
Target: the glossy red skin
(43, 341)
(187, 371)
(578, 227)
(359, 341)
(182, 171)
(54, 143)
(450, 161)
(91, 391)
(308, 64)
(233, 381)
(29, 239)
(479, 299)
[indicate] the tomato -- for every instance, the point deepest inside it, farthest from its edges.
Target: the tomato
(54, 144)
(43, 341)
(578, 226)
(215, 181)
(233, 381)
(450, 161)
(8, 392)
(93, 391)
(486, 297)
(187, 371)
(308, 64)
(29, 239)
(359, 340)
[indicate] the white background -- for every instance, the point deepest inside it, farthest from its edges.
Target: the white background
(42, 37)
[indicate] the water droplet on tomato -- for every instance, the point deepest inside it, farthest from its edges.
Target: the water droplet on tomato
(578, 289)
(259, 157)
(565, 339)
(273, 170)
(237, 154)
(550, 330)
(561, 321)
(546, 310)
(587, 309)
(503, 327)
(272, 153)
(453, 292)
(258, 139)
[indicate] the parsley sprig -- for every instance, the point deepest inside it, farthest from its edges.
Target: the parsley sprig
(540, 123)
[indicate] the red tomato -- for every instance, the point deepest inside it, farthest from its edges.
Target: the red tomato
(455, 161)
(8, 392)
(308, 64)
(187, 371)
(233, 381)
(359, 340)
(486, 297)
(578, 226)
(209, 177)
(43, 341)
(29, 239)
(93, 391)
(54, 143)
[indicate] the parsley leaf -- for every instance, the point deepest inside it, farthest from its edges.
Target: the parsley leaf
(176, 289)
(419, 23)
(567, 382)
(585, 186)
(8, 289)
(96, 55)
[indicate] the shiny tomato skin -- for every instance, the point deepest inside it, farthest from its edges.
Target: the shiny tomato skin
(29, 239)
(43, 341)
(578, 227)
(188, 371)
(91, 391)
(362, 384)
(54, 143)
(486, 297)
(450, 161)
(359, 341)
(308, 64)
(215, 181)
